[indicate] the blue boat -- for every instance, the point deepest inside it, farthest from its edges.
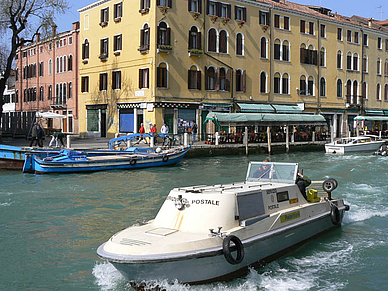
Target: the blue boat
(70, 161)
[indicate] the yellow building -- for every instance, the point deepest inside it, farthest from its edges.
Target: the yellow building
(156, 61)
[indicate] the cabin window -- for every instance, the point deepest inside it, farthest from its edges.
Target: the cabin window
(282, 196)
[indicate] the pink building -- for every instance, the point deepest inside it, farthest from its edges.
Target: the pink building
(47, 78)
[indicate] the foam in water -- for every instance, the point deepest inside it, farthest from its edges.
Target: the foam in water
(107, 277)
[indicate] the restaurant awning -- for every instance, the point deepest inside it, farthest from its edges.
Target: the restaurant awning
(256, 108)
(292, 109)
(49, 114)
(374, 112)
(264, 119)
(372, 118)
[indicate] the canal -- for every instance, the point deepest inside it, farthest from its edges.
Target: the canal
(51, 225)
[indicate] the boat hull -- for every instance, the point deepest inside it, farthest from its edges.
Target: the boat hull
(362, 147)
(102, 163)
(214, 267)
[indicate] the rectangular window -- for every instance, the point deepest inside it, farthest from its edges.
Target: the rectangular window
(303, 26)
(224, 10)
(339, 33)
(104, 48)
(379, 43)
(323, 30)
(103, 82)
(117, 44)
(365, 39)
(211, 8)
(105, 15)
(349, 36)
(277, 21)
(356, 37)
(194, 5)
(161, 77)
(41, 69)
(116, 80)
(264, 18)
(118, 10)
(70, 40)
(286, 23)
(194, 80)
(311, 28)
(240, 13)
(144, 78)
(85, 84)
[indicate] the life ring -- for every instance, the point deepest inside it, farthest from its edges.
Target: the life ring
(335, 215)
(165, 158)
(329, 185)
(132, 162)
(239, 248)
(334, 181)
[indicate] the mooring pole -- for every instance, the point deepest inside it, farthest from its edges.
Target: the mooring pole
(269, 139)
(246, 140)
(287, 140)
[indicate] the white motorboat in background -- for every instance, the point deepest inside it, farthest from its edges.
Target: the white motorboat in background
(210, 233)
(360, 143)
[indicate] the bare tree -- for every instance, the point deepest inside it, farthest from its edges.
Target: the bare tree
(20, 22)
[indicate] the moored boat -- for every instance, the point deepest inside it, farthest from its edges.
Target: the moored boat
(360, 143)
(208, 233)
(70, 161)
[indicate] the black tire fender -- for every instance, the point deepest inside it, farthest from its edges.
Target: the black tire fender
(329, 185)
(335, 215)
(226, 249)
(335, 182)
(165, 158)
(132, 162)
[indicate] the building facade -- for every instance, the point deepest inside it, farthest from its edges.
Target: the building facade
(175, 61)
(47, 78)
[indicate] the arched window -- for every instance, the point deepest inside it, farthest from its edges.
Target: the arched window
(263, 82)
(50, 92)
(163, 34)
(210, 79)
(223, 43)
(355, 62)
(285, 86)
(276, 83)
(50, 67)
(302, 85)
(339, 88)
(386, 92)
(349, 91)
(222, 79)
(64, 63)
(355, 91)
(378, 67)
(194, 78)
(194, 38)
(339, 59)
(57, 94)
(70, 90)
(322, 87)
(57, 65)
(239, 44)
(310, 86)
(276, 47)
(64, 93)
(378, 92)
(85, 50)
(61, 64)
(365, 64)
(263, 47)
(286, 51)
(145, 38)
(70, 63)
(162, 76)
(240, 80)
(212, 40)
(322, 57)
(386, 68)
(41, 96)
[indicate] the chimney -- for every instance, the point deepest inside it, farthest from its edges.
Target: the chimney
(54, 30)
(335, 14)
(37, 37)
(76, 25)
(370, 20)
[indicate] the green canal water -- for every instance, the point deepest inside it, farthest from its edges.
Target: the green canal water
(51, 225)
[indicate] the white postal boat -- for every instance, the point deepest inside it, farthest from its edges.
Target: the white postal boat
(210, 233)
(360, 143)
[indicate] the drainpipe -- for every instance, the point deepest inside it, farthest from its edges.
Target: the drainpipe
(271, 57)
(319, 69)
(362, 71)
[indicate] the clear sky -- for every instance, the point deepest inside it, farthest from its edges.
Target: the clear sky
(364, 8)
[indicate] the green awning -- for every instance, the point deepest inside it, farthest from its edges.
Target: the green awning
(374, 112)
(256, 108)
(264, 119)
(372, 118)
(287, 108)
(217, 105)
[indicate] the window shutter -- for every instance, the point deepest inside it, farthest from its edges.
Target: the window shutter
(102, 15)
(148, 77)
(206, 80)
(217, 79)
(207, 6)
(244, 80)
(107, 14)
(157, 2)
(168, 36)
(189, 78)
(235, 12)
(230, 11)
(189, 7)
(83, 51)
(159, 39)
(142, 4)
(170, 3)
(148, 37)
(100, 82)
(199, 40)
(198, 80)
(159, 77)
(200, 6)
(244, 14)
(142, 37)
(148, 4)
(228, 75)
(140, 78)
(315, 57)
(164, 71)
(190, 40)
(218, 9)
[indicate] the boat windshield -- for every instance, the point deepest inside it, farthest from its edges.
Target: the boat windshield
(273, 172)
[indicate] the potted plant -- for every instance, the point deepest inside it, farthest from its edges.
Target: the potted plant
(144, 11)
(104, 23)
(196, 15)
(241, 22)
(265, 27)
(214, 18)
(225, 20)
(164, 9)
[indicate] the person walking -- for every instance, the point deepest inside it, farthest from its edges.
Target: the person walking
(34, 135)
(142, 131)
(194, 130)
(164, 129)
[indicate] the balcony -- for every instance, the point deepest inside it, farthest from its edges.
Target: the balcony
(144, 48)
(103, 56)
(164, 48)
(58, 103)
(195, 52)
